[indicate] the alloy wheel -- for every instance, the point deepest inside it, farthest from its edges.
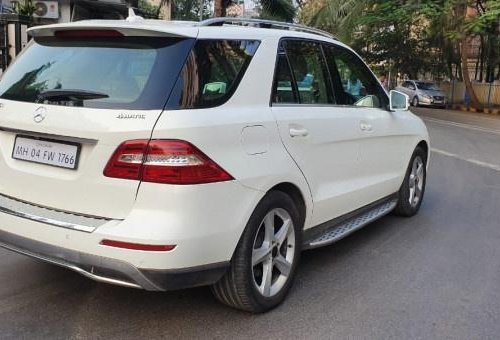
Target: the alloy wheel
(416, 181)
(273, 252)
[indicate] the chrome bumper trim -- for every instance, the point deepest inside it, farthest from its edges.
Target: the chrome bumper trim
(94, 267)
(47, 135)
(58, 218)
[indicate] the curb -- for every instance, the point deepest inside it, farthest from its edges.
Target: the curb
(473, 109)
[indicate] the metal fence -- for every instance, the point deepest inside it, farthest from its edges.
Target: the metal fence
(487, 93)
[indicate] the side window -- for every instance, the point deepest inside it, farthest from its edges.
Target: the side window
(353, 83)
(284, 88)
(309, 72)
(212, 73)
(411, 86)
(406, 84)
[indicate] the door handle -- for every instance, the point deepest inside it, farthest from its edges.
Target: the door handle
(298, 132)
(364, 126)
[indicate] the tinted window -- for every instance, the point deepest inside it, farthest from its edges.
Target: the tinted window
(427, 86)
(309, 71)
(354, 84)
(132, 72)
(212, 73)
(284, 88)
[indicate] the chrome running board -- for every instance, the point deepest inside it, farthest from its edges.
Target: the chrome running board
(342, 227)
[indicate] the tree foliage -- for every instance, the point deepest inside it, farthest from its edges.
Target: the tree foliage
(442, 38)
(147, 9)
(25, 7)
(281, 10)
(180, 9)
(190, 10)
(336, 16)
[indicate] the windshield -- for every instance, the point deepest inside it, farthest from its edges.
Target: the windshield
(126, 72)
(426, 86)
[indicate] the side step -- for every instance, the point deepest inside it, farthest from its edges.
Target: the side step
(342, 227)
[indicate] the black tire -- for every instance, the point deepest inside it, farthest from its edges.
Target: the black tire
(404, 207)
(238, 288)
(414, 101)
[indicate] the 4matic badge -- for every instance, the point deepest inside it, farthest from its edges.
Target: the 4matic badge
(131, 116)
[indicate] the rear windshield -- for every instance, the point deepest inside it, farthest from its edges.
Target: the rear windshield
(118, 73)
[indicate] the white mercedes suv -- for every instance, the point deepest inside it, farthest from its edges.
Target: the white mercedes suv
(162, 155)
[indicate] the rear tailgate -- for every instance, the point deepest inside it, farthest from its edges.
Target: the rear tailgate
(136, 73)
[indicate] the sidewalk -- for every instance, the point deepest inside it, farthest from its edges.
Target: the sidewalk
(482, 120)
(491, 110)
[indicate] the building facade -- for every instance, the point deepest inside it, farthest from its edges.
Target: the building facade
(57, 11)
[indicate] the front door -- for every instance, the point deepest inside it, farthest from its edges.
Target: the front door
(383, 143)
(322, 138)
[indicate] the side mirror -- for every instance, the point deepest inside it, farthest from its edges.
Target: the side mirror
(398, 101)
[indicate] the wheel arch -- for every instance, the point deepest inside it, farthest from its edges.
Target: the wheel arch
(425, 146)
(296, 195)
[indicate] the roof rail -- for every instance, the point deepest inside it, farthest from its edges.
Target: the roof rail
(264, 24)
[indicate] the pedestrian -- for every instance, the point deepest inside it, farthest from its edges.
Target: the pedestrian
(384, 82)
(354, 86)
(467, 99)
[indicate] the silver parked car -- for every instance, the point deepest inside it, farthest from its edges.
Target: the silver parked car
(423, 93)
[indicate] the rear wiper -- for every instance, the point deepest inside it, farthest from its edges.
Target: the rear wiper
(69, 95)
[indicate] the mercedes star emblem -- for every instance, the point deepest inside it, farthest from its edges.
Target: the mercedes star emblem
(40, 114)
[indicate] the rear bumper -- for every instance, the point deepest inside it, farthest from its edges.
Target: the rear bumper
(204, 223)
(113, 271)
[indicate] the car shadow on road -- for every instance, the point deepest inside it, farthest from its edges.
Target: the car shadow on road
(329, 276)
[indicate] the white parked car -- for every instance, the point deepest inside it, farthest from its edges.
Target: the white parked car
(169, 155)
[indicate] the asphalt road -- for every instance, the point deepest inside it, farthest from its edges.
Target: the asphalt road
(434, 276)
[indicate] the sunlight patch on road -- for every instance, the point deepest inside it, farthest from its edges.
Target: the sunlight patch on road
(461, 125)
(469, 160)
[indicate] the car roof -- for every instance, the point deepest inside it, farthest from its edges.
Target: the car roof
(188, 29)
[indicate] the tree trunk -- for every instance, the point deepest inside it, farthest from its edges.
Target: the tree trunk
(464, 51)
(165, 10)
(466, 77)
(220, 8)
(482, 56)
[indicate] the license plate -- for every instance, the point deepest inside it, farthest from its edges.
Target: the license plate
(46, 151)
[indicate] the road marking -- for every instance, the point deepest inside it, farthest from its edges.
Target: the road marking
(461, 125)
(469, 160)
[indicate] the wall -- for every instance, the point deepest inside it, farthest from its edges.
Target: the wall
(487, 93)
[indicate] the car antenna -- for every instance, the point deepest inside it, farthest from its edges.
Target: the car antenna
(132, 17)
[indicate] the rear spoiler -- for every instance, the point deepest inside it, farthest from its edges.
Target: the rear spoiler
(142, 28)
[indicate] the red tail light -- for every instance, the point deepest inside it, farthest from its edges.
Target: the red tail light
(164, 161)
(78, 34)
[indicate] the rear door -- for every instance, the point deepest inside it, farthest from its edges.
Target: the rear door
(68, 102)
(321, 137)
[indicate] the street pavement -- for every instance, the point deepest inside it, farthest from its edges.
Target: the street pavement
(434, 276)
